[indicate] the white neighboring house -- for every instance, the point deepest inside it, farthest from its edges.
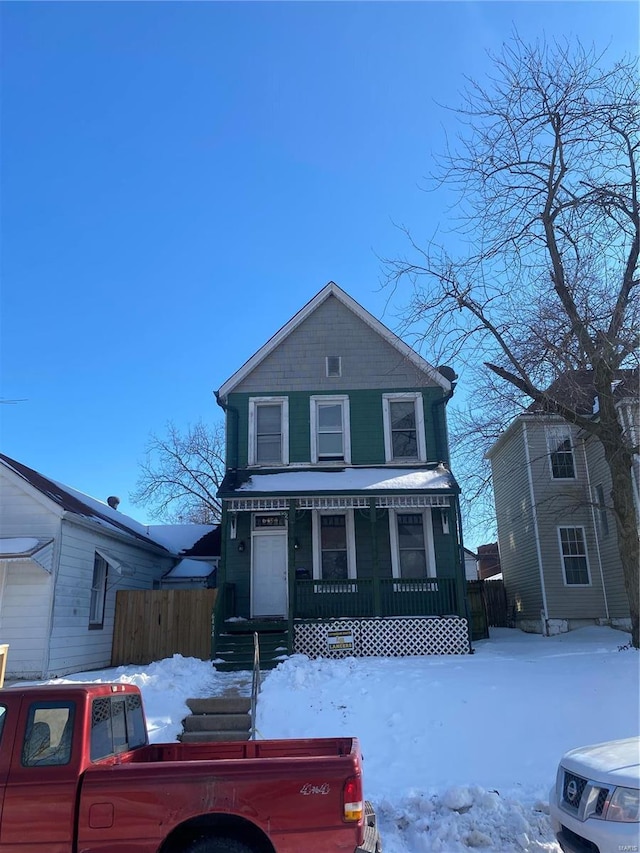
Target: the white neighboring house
(63, 556)
(470, 565)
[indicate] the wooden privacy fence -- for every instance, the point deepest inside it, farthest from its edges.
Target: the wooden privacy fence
(488, 607)
(151, 624)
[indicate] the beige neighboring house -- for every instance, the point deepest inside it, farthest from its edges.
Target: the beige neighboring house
(556, 532)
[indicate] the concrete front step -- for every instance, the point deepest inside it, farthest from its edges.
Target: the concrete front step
(208, 737)
(217, 718)
(217, 722)
(220, 705)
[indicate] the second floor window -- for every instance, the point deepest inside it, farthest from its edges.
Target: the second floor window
(268, 431)
(561, 453)
(330, 429)
(404, 428)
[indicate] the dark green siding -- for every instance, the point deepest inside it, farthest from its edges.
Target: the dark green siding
(367, 426)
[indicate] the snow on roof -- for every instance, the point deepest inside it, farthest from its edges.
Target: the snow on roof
(351, 480)
(191, 569)
(77, 503)
(18, 546)
(179, 537)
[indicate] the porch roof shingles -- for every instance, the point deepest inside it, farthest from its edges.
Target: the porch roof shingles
(341, 481)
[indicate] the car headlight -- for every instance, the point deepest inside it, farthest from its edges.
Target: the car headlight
(624, 805)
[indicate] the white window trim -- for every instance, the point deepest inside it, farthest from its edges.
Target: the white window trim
(552, 433)
(254, 402)
(416, 396)
(343, 399)
(96, 619)
(586, 556)
(427, 527)
(351, 543)
(326, 365)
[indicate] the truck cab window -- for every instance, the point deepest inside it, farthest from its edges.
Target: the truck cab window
(117, 725)
(48, 734)
(3, 711)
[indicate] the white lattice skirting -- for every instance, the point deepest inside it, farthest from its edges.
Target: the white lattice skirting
(392, 637)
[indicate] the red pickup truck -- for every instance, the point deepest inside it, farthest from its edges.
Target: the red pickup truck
(78, 775)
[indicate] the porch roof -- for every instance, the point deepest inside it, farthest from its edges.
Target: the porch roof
(431, 479)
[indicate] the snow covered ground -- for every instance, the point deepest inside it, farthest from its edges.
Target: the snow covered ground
(460, 751)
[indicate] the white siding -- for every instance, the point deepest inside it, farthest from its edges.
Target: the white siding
(26, 589)
(25, 595)
(74, 646)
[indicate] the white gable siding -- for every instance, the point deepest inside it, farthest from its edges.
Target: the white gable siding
(73, 645)
(298, 363)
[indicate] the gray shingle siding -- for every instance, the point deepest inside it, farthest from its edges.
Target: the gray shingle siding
(298, 363)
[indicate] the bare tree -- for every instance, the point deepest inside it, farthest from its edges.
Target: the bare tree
(545, 171)
(181, 474)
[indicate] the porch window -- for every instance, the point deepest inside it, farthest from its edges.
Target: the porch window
(560, 453)
(98, 591)
(268, 431)
(573, 549)
(334, 551)
(330, 429)
(404, 427)
(412, 555)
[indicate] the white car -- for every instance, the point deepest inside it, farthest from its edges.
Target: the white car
(595, 803)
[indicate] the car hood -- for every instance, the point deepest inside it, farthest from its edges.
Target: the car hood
(616, 762)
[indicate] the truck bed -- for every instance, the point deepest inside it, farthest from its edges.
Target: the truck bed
(238, 750)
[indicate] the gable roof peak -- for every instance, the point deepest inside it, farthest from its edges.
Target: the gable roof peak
(333, 289)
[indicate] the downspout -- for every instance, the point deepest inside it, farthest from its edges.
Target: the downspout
(596, 535)
(534, 512)
(221, 583)
(441, 401)
(226, 408)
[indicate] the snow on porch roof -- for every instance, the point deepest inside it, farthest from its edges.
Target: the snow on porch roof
(349, 480)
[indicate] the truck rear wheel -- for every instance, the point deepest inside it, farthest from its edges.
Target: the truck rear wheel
(218, 845)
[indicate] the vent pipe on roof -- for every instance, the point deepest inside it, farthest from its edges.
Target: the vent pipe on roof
(113, 501)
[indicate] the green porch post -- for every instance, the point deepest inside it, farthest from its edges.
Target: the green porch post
(218, 614)
(374, 558)
(291, 566)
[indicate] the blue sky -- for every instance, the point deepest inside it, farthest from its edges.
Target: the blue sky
(178, 179)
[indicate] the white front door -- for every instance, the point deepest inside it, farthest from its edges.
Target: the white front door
(269, 574)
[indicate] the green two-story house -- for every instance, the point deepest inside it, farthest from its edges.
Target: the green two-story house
(340, 522)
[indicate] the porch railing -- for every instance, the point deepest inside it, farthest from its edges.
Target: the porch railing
(322, 599)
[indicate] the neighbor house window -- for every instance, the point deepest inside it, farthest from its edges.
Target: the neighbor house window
(334, 546)
(560, 453)
(98, 592)
(268, 431)
(412, 552)
(602, 510)
(330, 440)
(574, 556)
(404, 439)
